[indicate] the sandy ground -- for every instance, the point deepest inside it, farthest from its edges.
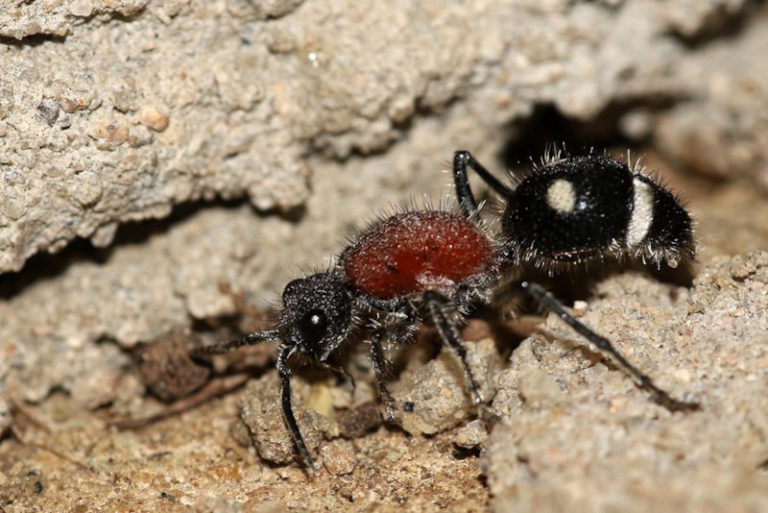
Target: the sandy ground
(166, 167)
(563, 430)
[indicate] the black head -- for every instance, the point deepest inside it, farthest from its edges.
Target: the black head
(317, 314)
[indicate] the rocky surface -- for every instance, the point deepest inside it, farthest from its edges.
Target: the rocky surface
(142, 106)
(566, 430)
(259, 141)
(588, 439)
(726, 103)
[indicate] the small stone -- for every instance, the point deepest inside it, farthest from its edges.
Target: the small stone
(104, 235)
(280, 41)
(339, 457)
(154, 119)
(356, 422)
(580, 308)
(48, 111)
(168, 370)
(742, 267)
(81, 8)
(64, 122)
(88, 188)
(320, 398)
(471, 435)
(110, 132)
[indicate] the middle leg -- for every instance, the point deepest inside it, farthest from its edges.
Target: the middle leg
(380, 370)
(438, 307)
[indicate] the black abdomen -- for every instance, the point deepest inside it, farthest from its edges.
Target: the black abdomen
(570, 211)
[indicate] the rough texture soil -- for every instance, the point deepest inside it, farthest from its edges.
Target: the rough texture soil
(166, 167)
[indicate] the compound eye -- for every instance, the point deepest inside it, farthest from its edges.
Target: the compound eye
(313, 326)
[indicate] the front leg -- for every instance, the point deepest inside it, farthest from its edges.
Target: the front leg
(285, 398)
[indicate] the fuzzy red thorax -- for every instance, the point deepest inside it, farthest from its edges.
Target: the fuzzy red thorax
(413, 251)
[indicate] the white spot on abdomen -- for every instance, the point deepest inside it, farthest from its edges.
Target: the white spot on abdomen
(642, 214)
(561, 197)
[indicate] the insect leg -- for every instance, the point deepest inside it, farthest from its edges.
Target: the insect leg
(285, 398)
(380, 370)
(604, 346)
(449, 332)
(339, 371)
(248, 340)
(462, 159)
